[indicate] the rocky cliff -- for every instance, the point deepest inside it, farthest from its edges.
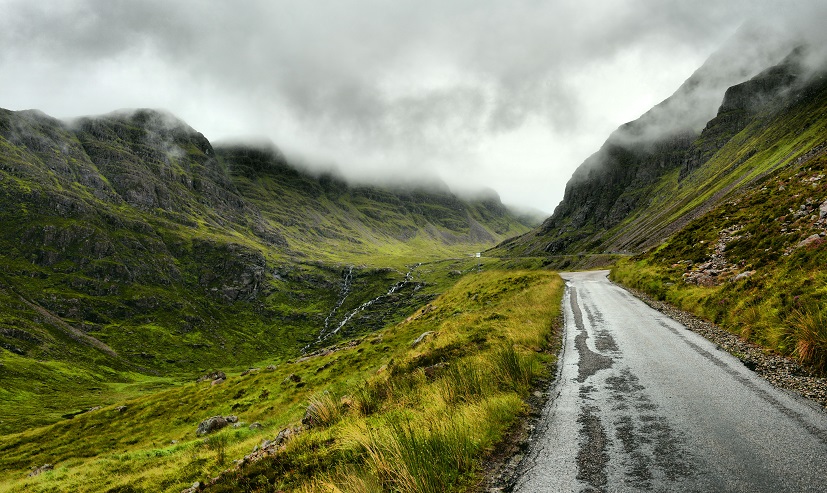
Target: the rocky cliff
(643, 185)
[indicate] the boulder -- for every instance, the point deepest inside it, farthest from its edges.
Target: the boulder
(210, 425)
(810, 240)
(419, 340)
(216, 375)
(41, 469)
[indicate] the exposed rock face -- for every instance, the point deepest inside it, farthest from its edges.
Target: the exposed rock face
(619, 199)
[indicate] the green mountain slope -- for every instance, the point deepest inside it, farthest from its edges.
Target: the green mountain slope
(644, 185)
(131, 248)
(732, 223)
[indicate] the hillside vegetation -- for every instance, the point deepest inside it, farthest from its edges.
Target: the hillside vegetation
(755, 264)
(411, 407)
(136, 255)
(639, 189)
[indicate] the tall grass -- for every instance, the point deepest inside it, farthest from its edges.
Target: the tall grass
(515, 371)
(409, 457)
(323, 410)
(464, 381)
(809, 334)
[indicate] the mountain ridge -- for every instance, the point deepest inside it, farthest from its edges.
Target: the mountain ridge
(614, 199)
(132, 247)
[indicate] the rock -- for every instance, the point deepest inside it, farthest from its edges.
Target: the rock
(422, 338)
(810, 240)
(743, 275)
(41, 469)
(210, 425)
(249, 371)
(231, 418)
(120, 409)
(218, 381)
(292, 378)
(431, 372)
(216, 375)
(255, 426)
(284, 435)
(822, 210)
(194, 488)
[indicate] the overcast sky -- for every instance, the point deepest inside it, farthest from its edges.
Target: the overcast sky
(511, 95)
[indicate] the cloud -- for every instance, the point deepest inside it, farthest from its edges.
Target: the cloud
(382, 88)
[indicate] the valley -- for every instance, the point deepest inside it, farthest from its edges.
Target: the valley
(181, 315)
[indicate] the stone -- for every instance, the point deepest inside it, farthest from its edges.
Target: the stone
(41, 469)
(284, 435)
(255, 426)
(419, 340)
(210, 425)
(120, 409)
(218, 381)
(822, 210)
(810, 240)
(216, 375)
(231, 418)
(292, 378)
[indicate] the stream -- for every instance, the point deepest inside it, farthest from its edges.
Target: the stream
(347, 281)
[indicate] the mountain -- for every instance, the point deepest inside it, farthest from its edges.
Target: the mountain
(729, 223)
(132, 247)
(624, 197)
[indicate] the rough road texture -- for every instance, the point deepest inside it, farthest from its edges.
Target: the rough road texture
(643, 404)
(782, 372)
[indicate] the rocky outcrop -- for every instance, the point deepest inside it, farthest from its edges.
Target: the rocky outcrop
(634, 192)
(214, 423)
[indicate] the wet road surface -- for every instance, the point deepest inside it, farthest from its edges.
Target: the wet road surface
(643, 404)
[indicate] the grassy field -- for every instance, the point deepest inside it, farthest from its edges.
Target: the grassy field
(388, 415)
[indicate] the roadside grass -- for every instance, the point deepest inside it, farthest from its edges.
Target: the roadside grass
(456, 394)
(423, 422)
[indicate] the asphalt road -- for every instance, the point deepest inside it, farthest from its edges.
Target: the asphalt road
(643, 404)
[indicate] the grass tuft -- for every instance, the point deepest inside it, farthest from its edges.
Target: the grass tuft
(809, 328)
(514, 370)
(323, 410)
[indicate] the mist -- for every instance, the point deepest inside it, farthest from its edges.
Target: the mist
(473, 93)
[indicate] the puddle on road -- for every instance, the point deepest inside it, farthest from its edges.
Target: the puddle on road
(590, 361)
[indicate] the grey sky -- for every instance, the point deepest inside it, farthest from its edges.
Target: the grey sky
(511, 95)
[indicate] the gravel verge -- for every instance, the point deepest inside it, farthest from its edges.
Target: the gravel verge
(780, 371)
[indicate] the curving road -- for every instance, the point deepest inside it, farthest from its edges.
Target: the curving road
(643, 404)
